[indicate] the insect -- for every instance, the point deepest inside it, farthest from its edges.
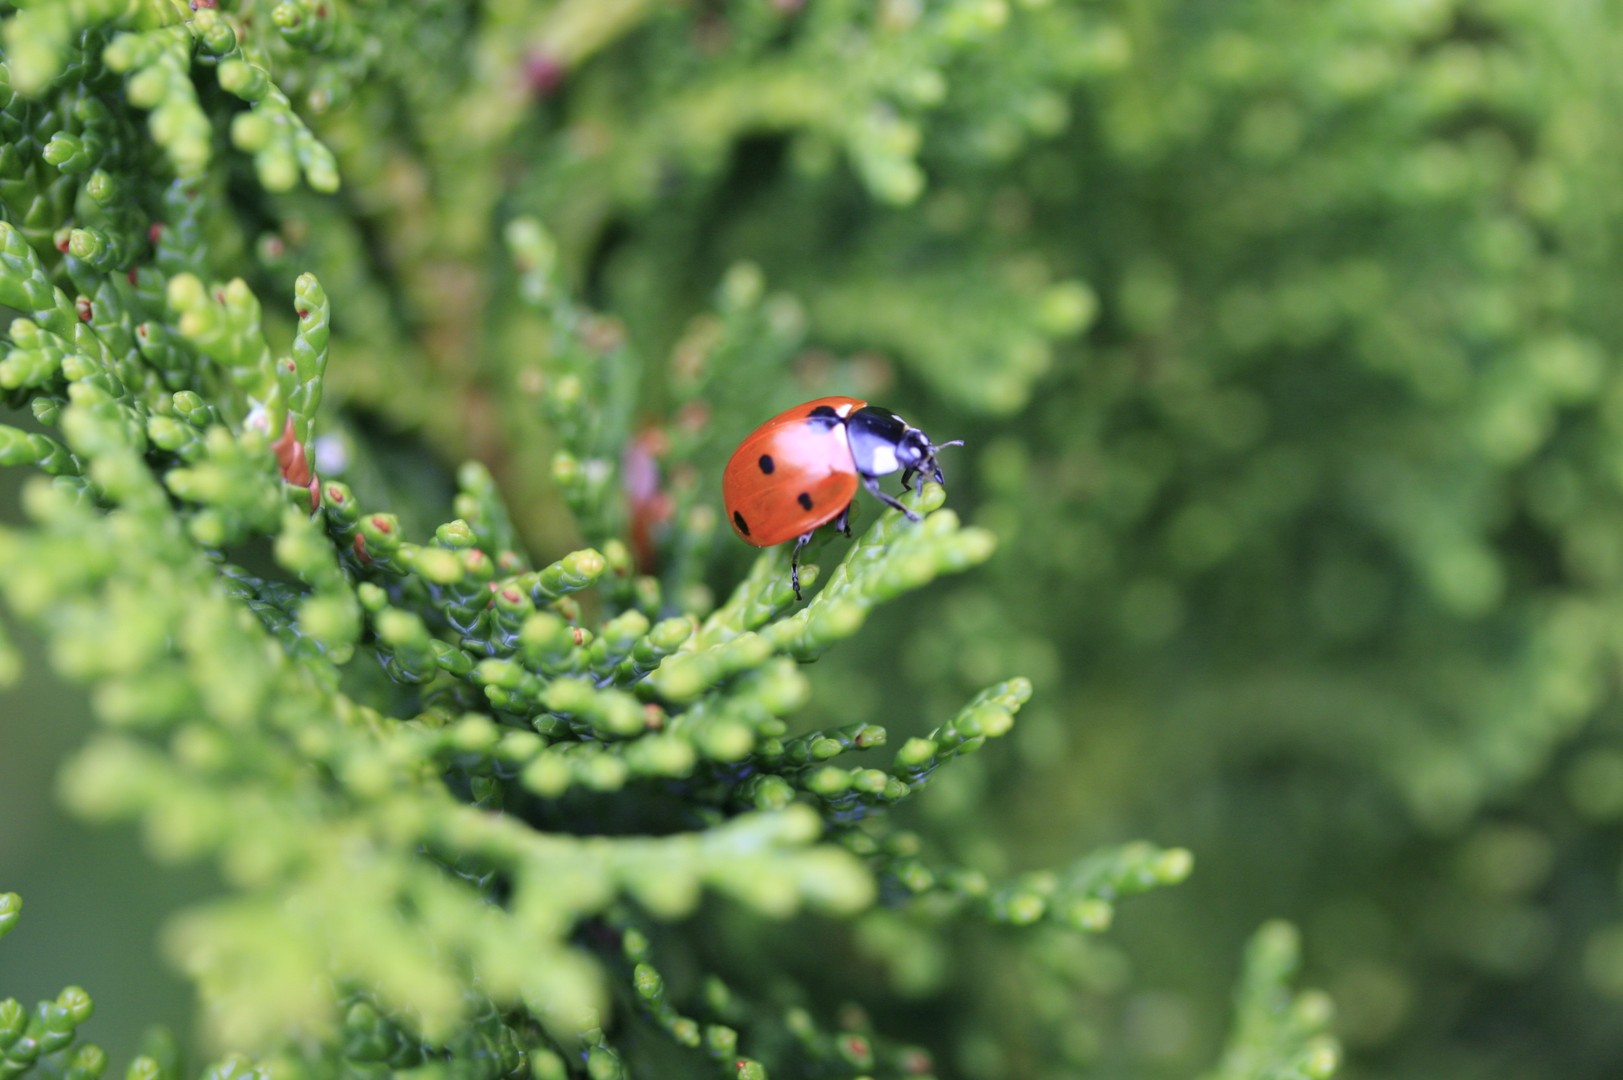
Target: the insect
(800, 470)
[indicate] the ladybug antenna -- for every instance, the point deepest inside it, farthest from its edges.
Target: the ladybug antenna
(935, 470)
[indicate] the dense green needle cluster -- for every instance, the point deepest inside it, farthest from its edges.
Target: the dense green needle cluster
(506, 768)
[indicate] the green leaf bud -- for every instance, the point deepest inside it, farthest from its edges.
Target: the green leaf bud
(250, 131)
(511, 609)
(102, 188)
(11, 912)
(685, 676)
(618, 557)
(769, 792)
(146, 88)
(828, 781)
(611, 713)
(71, 153)
(548, 775)
(503, 674)
(244, 80)
(916, 753)
(76, 1004)
(1173, 866)
(213, 33)
(1087, 914)
(617, 638)
(721, 1041)
(663, 639)
(47, 410)
(88, 1063)
(403, 629)
(144, 1068)
(13, 1022)
(602, 772)
(436, 565)
(602, 1063)
(726, 741)
(546, 1065)
(914, 875)
(647, 982)
(95, 247)
(54, 1026)
(26, 1050)
(781, 689)
(339, 503)
(381, 533)
(741, 287)
(1067, 308)
(550, 645)
(167, 433)
(1019, 908)
(869, 781)
(534, 255)
(450, 658)
(574, 572)
(456, 534)
(822, 749)
(661, 755)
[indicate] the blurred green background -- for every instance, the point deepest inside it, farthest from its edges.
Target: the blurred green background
(1285, 341)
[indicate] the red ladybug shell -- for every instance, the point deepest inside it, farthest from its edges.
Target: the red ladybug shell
(791, 474)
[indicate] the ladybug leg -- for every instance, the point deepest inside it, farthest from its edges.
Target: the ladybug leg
(872, 484)
(843, 522)
(794, 562)
(907, 479)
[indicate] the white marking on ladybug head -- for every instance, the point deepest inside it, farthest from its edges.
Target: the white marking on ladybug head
(913, 448)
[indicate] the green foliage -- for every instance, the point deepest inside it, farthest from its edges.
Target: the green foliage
(1282, 341)
(464, 805)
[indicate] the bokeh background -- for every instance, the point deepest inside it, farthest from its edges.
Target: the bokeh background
(1285, 342)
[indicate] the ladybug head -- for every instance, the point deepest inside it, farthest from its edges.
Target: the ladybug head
(916, 452)
(913, 449)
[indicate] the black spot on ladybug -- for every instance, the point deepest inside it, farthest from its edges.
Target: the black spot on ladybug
(743, 526)
(824, 418)
(804, 500)
(767, 464)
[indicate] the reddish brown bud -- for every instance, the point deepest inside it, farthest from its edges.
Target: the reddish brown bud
(543, 74)
(291, 459)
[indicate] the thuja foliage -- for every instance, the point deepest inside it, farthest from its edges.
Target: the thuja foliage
(501, 784)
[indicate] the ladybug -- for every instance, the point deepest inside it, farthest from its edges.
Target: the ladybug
(800, 469)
